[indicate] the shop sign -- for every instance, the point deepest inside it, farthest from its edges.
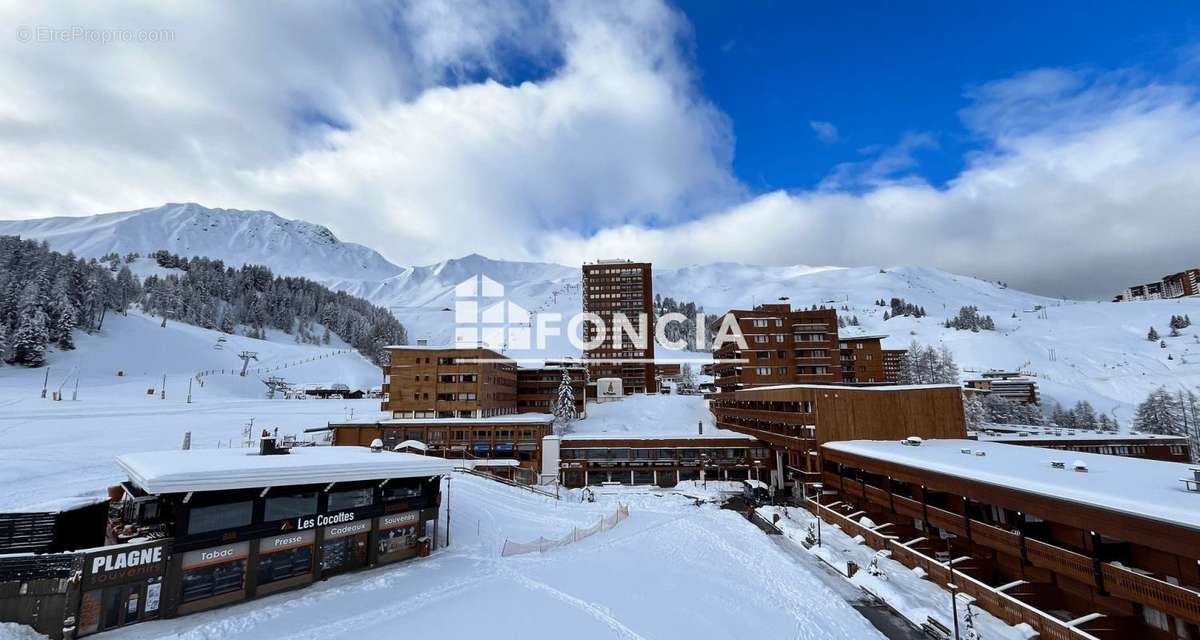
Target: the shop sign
(348, 529)
(125, 564)
(286, 541)
(216, 555)
(399, 520)
(323, 519)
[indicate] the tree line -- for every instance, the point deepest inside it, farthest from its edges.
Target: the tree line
(49, 294)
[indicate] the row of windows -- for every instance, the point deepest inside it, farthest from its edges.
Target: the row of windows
(663, 454)
(232, 515)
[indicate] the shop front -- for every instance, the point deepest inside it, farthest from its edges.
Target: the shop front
(345, 547)
(398, 536)
(121, 586)
(285, 562)
(213, 577)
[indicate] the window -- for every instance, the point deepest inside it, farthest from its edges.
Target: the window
(760, 323)
(763, 371)
(285, 556)
(779, 337)
(220, 516)
(350, 499)
(290, 506)
(760, 453)
(204, 577)
(401, 492)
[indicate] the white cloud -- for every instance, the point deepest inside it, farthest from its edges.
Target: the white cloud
(1084, 186)
(372, 120)
(825, 131)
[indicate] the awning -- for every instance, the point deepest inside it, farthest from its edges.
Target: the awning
(482, 448)
(504, 447)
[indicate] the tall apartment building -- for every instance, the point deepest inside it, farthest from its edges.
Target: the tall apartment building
(1175, 285)
(782, 347)
(862, 360)
(612, 288)
(893, 364)
(449, 382)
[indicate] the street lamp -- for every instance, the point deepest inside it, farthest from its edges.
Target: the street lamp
(950, 585)
(819, 487)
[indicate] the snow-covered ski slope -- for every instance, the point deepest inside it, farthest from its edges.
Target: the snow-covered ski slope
(54, 450)
(672, 570)
(1079, 350)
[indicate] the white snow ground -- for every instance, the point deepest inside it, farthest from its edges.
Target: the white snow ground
(672, 570)
(905, 590)
(54, 450)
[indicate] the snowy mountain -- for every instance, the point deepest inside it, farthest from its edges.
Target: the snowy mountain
(1079, 350)
(289, 247)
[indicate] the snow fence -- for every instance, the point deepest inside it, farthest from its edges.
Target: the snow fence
(542, 545)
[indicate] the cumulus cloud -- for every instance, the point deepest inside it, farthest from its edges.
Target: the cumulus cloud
(405, 126)
(825, 131)
(1082, 185)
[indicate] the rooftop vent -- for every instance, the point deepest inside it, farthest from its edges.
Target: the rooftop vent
(1058, 464)
(376, 445)
(1079, 466)
(911, 441)
(1023, 434)
(981, 453)
(422, 342)
(965, 450)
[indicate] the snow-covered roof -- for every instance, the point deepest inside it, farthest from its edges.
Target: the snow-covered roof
(180, 471)
(649, 416)
(515, 418)
(886, 387)
(872, 336)
(1146, 488)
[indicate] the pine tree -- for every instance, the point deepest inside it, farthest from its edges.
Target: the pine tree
(66, 318)
(1159, 414)
(1083, 415)
(1060, 417)
(687, 378)
(564, 407)
(1152, 336)
(974, 412)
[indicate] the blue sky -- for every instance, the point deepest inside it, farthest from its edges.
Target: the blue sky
(876, 70)
(1052, 146)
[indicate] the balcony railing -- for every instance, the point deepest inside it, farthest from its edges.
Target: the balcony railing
(1118, 581)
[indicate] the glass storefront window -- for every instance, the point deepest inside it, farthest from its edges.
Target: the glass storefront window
(281, 565)
(350, 499)
(400, 492)
(290, 506)
(215, 571)
(220, 516)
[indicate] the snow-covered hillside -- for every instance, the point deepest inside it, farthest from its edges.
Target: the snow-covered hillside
(1078, 350)
(289, 247)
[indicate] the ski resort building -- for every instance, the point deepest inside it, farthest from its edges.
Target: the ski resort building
(612, 288)
(1013, 386)
(800, 347)
(192, 530)
(1060, 541)
(796, 419)
(662, 460)
(783, 347)
(449, 382)
(509, 437)
(1176, 285)
(862, 360)
(1147, 446)
(537, 387)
